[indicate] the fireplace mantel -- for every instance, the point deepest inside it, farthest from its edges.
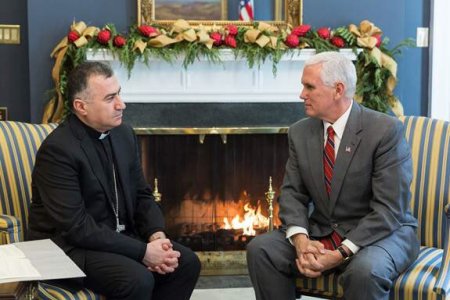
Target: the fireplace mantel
(231, 81)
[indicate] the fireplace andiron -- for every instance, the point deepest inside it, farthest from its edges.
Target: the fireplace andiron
(270, 194)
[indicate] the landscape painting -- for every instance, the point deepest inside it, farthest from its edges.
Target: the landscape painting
(190, 9)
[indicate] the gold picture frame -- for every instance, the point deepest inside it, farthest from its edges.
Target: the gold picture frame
(293, 12)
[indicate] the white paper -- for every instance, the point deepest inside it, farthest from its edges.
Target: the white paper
(17, 268)
(42, 260)
(10, 251)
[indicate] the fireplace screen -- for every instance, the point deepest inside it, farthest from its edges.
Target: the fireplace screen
(214, 190)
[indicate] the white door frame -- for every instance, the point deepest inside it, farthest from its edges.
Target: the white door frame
(439, 70)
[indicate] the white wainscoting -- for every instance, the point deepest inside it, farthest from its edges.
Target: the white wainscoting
(231, 81)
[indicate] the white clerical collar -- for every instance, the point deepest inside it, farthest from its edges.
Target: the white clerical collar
(103, 135)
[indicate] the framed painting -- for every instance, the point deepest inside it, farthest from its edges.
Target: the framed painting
(190, 10)
(209, 12)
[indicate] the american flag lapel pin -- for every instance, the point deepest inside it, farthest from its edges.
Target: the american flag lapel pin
(348, 149)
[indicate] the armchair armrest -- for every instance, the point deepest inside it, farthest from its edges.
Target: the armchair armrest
(10, 229)
(442, 285)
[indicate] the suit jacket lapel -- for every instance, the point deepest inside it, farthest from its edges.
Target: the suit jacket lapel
(92, 156)
(123, 174)
(315, 151)
(349, 144)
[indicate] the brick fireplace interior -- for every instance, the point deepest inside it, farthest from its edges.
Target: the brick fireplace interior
(207, 181)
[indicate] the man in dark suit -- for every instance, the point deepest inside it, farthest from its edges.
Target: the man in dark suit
(344, 202)
(91, 199)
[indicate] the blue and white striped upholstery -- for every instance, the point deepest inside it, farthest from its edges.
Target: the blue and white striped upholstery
(429, 276)
(19, 143)
(51, 292)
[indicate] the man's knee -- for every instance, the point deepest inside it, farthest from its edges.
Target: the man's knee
(188, 257)
(265, 248)
(361, 284)
(358, 273)
(191, 262)
(137, 286)
(256, 246)
(371, 274)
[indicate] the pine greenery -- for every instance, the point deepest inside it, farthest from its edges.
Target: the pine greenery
(372, 77)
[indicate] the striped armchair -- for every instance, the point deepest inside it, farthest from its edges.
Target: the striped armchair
(429, 276)
(19, 143)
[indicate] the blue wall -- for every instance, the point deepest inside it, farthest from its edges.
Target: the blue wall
(14, 91)
(398, 20)
(49, 20)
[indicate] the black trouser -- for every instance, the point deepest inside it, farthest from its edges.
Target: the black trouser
(119, 277)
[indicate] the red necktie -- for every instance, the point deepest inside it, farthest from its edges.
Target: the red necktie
(328, 159)
(333, 240)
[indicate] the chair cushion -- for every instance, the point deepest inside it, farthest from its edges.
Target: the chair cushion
(9, 229)
(430, 148)
(19, 143)
(418, 281)
(415, 283)
(327, 286)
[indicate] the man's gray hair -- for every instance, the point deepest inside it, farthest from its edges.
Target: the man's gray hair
(336, 68)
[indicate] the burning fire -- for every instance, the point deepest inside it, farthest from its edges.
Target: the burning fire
(252, 219)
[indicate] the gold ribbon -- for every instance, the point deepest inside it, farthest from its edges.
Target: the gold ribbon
(365, 34)
(161, 41)
(267, 27)
(184, 30)
(255, 35)
(140, 45)
(204, 38)
(251, 35)
(365, 39)
(397, 107)
(187, 33)
(54, 109)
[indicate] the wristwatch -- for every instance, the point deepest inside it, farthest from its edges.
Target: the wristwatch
(344, 253)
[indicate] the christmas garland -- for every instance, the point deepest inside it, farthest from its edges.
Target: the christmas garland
(375, 65)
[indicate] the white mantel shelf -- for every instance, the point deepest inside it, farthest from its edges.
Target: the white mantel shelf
(231, 81)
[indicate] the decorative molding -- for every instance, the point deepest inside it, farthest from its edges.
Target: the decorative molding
(210, 131)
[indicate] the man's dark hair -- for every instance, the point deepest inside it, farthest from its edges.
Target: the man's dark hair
(78, 78)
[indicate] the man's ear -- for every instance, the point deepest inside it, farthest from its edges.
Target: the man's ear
(339, 88)
(79, 106)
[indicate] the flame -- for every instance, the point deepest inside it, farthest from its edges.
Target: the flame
(252, 219)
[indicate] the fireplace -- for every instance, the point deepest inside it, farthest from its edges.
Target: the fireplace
(213, 135)
(214, 188)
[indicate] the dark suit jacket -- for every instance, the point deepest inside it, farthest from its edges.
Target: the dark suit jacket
(370, 186)
(72, 203)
